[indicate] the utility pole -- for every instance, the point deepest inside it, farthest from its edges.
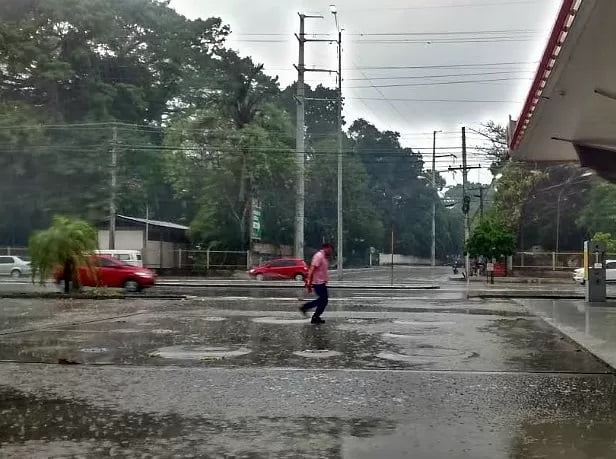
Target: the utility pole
(300, 145)
(465, 168)
(114, 183)
(466, 199)
(466, 206)
(340, 233)
(300, 135)
(481, 189)
(434, 199)
(465, 182)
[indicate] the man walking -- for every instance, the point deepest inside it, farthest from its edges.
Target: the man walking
(318, 277)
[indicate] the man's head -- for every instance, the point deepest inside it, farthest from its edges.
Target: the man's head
(327, 249)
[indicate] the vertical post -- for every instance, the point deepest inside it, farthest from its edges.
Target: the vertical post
(560, 195)
(340, 233)
(207, 260)
(434, 199)
(114, 182)
(553, 261)
(392, 250)
(481, 189)
(160, 249)
(179, 258)
(466, 219)
(300, 145)
(147, 225)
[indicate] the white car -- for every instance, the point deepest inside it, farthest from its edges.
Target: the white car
(610, 273)
(13, 266)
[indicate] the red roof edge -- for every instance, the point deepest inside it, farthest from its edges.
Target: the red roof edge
(556, 40)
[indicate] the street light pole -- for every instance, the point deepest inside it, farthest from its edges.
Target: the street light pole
(340, 241)
(560, 196)
(114, 189)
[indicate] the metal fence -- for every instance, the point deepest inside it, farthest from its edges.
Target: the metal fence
(554, 261)
(197, 261)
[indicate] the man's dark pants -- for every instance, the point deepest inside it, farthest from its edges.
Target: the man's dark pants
(320, 303)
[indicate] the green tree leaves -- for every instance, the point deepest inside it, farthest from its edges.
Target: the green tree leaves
(491, 239)
(68, 242)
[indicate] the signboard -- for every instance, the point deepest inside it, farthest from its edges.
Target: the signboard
(490, 267)
(256, 226)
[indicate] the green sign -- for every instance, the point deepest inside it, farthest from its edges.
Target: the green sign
(256, 231)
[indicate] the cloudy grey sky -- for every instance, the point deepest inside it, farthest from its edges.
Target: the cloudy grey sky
(408, 65)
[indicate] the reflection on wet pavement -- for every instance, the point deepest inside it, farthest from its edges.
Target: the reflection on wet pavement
(259, 413)
(381, 340)
(384, 377)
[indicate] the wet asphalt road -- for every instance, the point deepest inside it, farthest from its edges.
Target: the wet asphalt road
(238, 373)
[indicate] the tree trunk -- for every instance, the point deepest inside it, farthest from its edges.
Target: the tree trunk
(68, 275)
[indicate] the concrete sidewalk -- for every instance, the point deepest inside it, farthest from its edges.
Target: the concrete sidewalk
(517, 280)
(591, 326)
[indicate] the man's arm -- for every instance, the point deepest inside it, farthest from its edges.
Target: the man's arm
(309, 278)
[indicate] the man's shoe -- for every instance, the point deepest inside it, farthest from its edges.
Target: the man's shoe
(303, 311)
(317, 321)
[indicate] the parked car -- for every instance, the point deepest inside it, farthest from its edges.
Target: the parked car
(13, 266)
(610, 273)
(106, 271)
(283, 268)
(130, 257)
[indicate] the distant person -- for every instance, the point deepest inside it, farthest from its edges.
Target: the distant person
(318, 276)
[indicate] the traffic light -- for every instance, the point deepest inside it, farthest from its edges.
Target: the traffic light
(466, 205)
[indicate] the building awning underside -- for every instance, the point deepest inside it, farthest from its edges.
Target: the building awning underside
(570, 112)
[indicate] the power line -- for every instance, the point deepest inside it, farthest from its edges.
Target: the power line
(418, 77)
(444, 6)
(439, 83)
(369, 34)
(446, 66)
(403, 41)
(444, 100)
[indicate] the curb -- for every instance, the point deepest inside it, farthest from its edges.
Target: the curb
(61, 296)
(296, 286)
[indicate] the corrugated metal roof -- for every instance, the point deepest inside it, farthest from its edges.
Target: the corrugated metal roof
(155, 223)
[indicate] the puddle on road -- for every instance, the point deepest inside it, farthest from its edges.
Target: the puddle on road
(94, 350)
(278, 321)
(400, 336)
(162, 331)
(317, 353)
(422, 355)
(416, 323)
(214, 319)
(357, 321)
(189, 352)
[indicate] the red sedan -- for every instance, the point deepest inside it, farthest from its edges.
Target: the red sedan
(109, 272)
(283, 268)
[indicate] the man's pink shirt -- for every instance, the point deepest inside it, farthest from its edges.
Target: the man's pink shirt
(321, 266)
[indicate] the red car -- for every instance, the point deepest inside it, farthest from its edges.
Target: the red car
(109, 272)
(283, 268)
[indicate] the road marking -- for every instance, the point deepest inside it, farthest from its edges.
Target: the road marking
(296, 299)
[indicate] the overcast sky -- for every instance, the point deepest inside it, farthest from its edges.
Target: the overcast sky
(495, 44)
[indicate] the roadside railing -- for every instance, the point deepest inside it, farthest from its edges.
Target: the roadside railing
(553, 261)
(206, 260)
